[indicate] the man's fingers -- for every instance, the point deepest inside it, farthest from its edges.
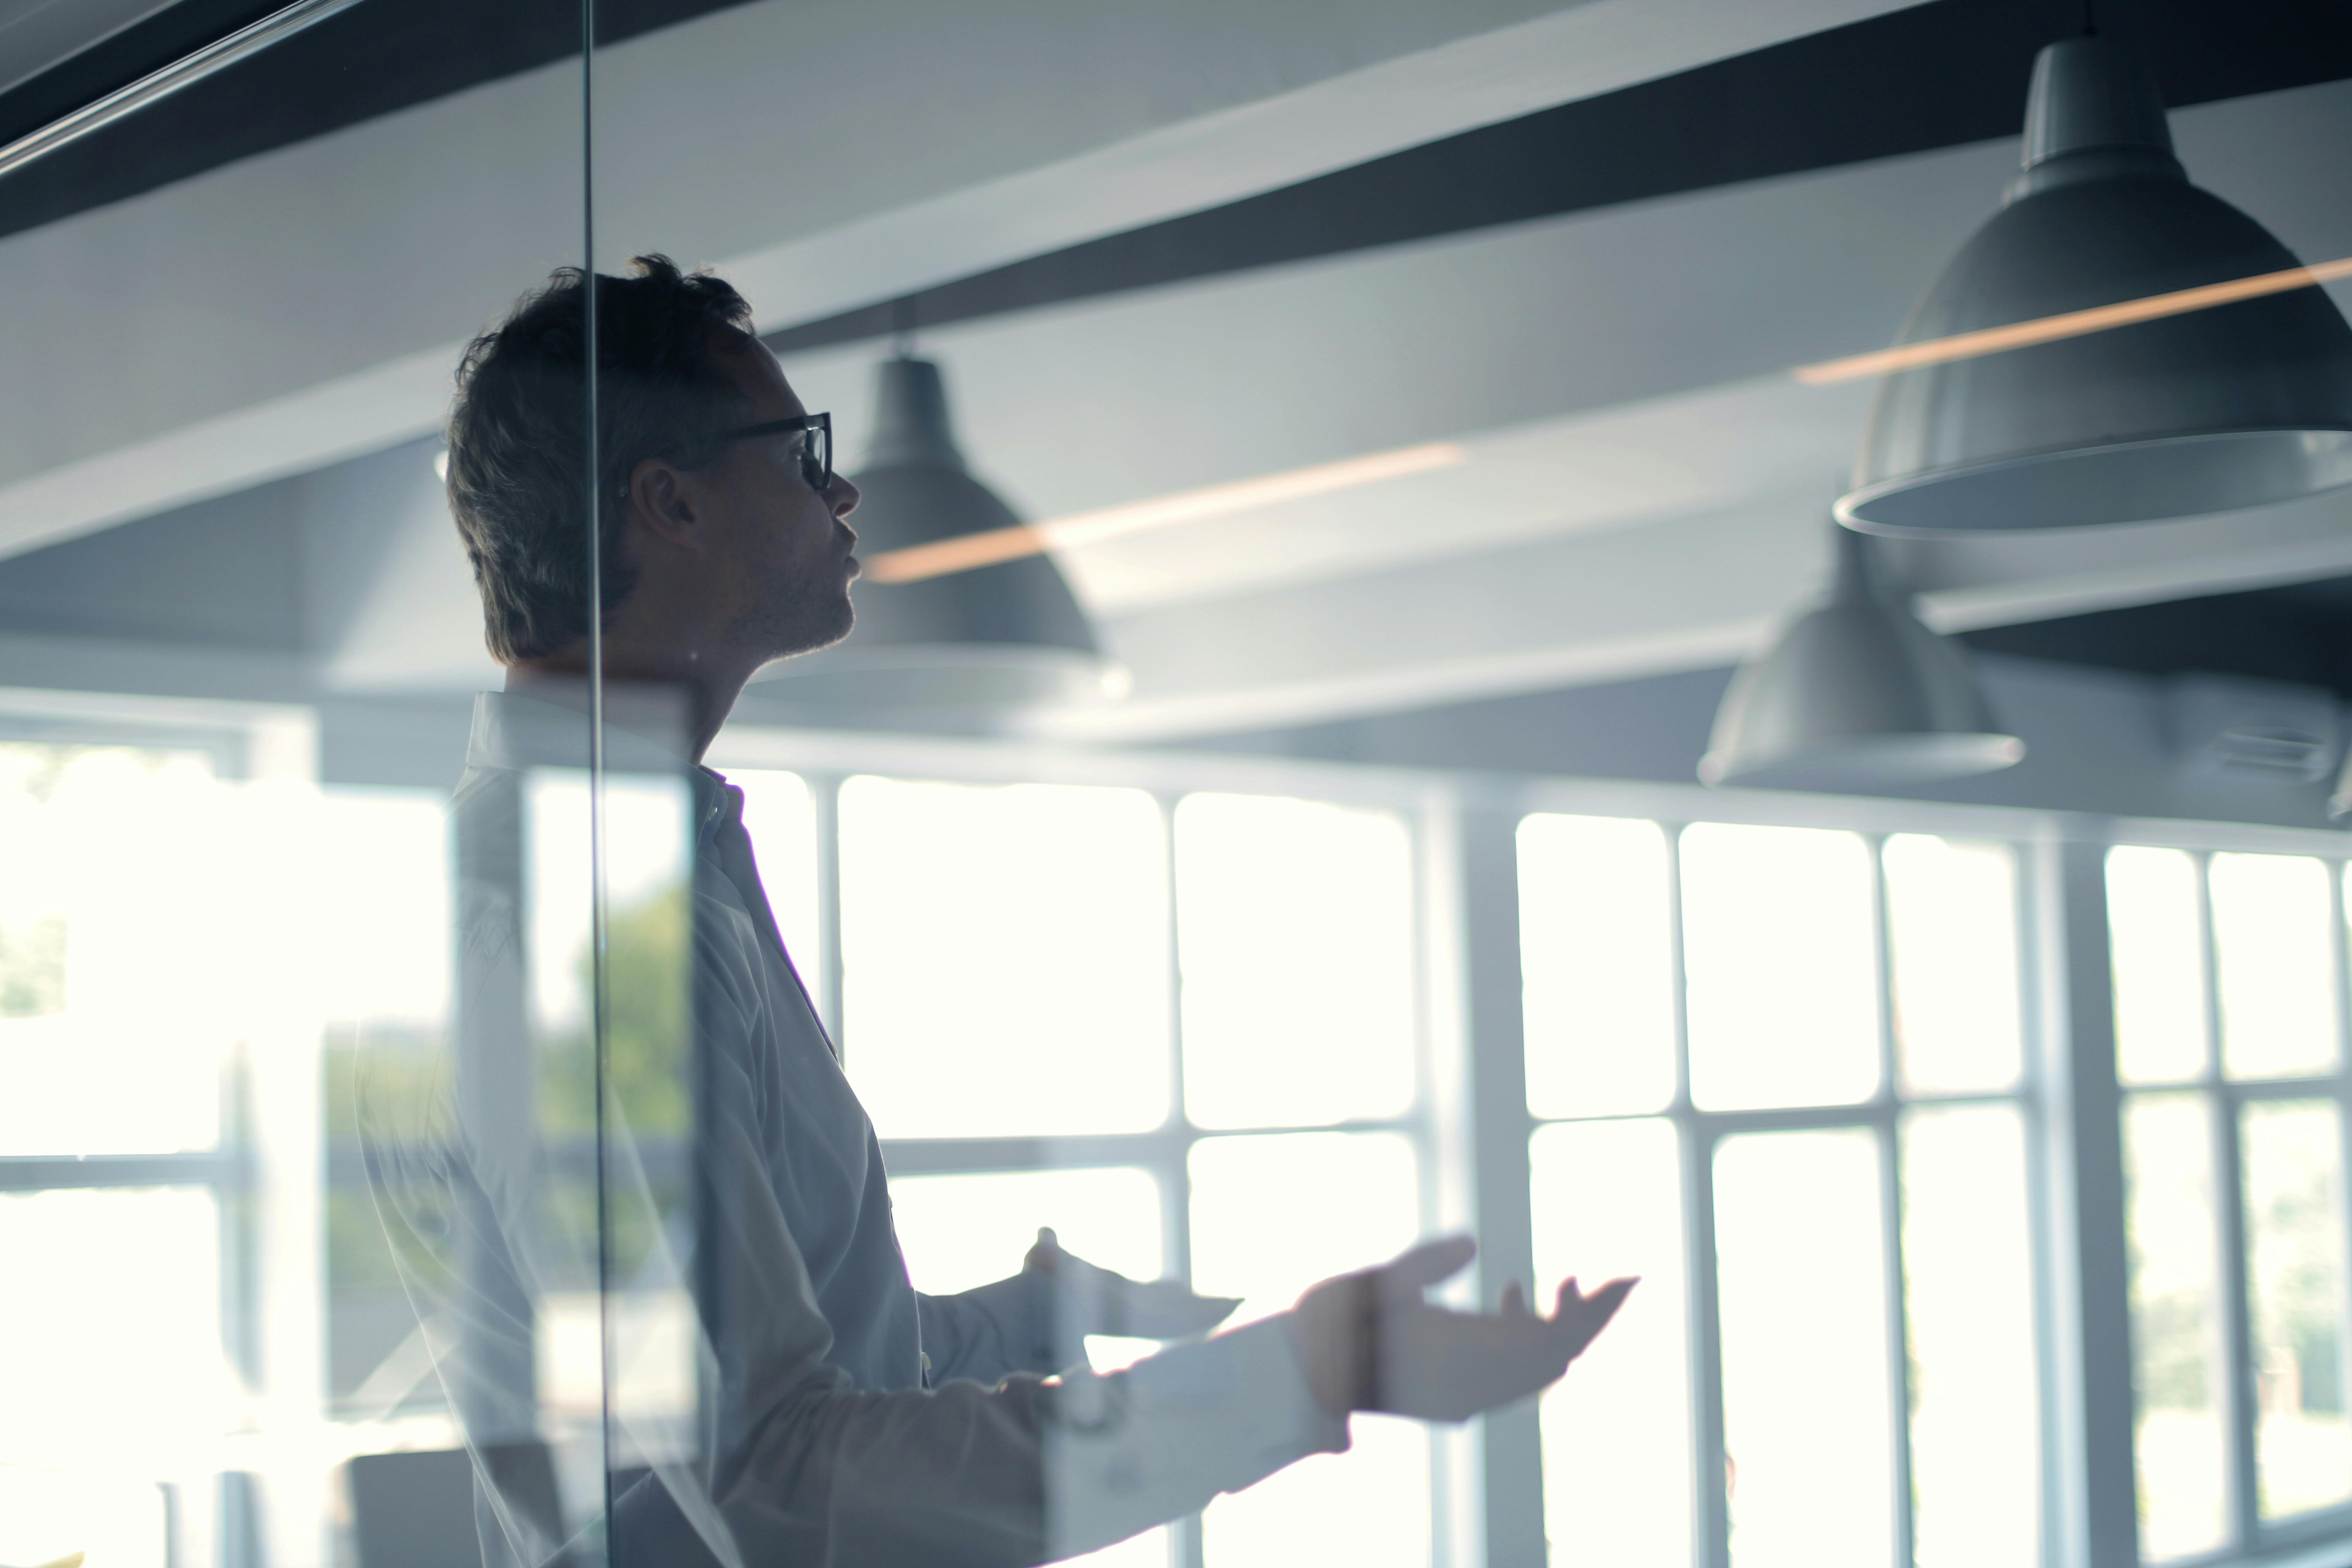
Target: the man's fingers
(1514, 1303)
(1046, 1254)
(1163, 1308)
(1591, 1313)
(1424, 1265)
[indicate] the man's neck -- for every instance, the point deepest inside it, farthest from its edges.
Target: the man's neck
(691, 706)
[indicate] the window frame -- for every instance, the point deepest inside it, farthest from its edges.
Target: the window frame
(1470, 1121)
(2224, 1100)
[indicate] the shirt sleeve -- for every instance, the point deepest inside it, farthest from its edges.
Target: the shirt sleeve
(986, 1335)
(806, 1468)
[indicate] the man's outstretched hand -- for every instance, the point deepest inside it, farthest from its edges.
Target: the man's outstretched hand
(1371, 1342)
(1089, 1299)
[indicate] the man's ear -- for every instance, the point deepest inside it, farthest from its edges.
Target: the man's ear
(662, 503)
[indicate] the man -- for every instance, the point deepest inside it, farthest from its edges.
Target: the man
(856, 1422)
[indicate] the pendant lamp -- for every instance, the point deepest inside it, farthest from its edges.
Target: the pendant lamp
(1856, 694)
(2209, 410)
(997, 638)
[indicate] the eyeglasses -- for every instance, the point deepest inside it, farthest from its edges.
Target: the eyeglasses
(816, 453)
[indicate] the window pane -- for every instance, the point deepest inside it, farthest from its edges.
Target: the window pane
(1005, 958)
(1777, 941)
(1616, 1430)
(1806, 1406)
(1967, 1270)
(2159, 969)
(1271, 1215)
(2169, 1161)
(113, 1307)
(1595, 946)
(780, 815)
(51, 1516)
(961, 1231)
(2294, 1155)
(1951, 909)
(2271, 940)
(122, 976)
(1295, 922)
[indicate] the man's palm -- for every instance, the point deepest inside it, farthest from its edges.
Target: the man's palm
(1372, 1342)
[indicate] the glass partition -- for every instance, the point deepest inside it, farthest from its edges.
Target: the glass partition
(298, 1191)
(786, 781)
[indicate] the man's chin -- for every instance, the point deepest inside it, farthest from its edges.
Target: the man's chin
(814, 636)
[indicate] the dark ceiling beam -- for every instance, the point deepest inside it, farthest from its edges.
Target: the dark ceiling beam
(1933, 76)
(371, 60)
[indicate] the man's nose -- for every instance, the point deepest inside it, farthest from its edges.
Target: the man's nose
(844, 495)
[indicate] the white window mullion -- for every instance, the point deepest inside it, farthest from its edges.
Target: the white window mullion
(2088, 1262)
(1890, 1209)
(1512, 1513)
(1710, 1495)
(1187, 1544)
(2235, 1377)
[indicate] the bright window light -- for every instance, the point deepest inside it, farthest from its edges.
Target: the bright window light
(1809, 1461)
(1271, 1215)
(1776, 948)
(1295, 922)
(113, 1306)
(2270, 941)
(780, 815)
(1004, 955)
(1596, 951)
(1616, 1430)
(1952, 925)
(966, 1230)
(2293, 1152)
(1968, 1268)
(124, 977)
(2159, 975)
(2180, 1440)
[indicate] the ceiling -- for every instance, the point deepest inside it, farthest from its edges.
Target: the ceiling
(1158, 246)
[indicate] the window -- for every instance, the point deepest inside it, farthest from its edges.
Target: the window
(1778, 1072)
(136, 1049)
(1193, 1014)
(1182, 1029)
(2228, 973)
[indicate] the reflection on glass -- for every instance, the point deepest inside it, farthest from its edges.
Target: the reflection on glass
(1967, 1271)
(384, 908)
(122, 892)
(1005, 958)
(2159, 982)
(2178, 1438)
(1802, 1279)
(1616, 1430)
(1777, 945)
(1595, 950)
(2275, 977)
(2293, 1156)
(1272, 1216)
(779, 814)
(113, 1306)
(1952, 907)
(1295, 929)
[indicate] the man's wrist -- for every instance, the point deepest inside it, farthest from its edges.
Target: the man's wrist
(1334, 1333)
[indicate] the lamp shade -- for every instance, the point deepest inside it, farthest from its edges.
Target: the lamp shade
(1004, 636)
(2208, 410)
(1856, 694)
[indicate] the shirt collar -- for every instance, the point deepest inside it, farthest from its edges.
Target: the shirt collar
(513, 731)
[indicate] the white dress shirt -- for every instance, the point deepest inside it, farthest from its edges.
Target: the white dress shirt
(851, 1420)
